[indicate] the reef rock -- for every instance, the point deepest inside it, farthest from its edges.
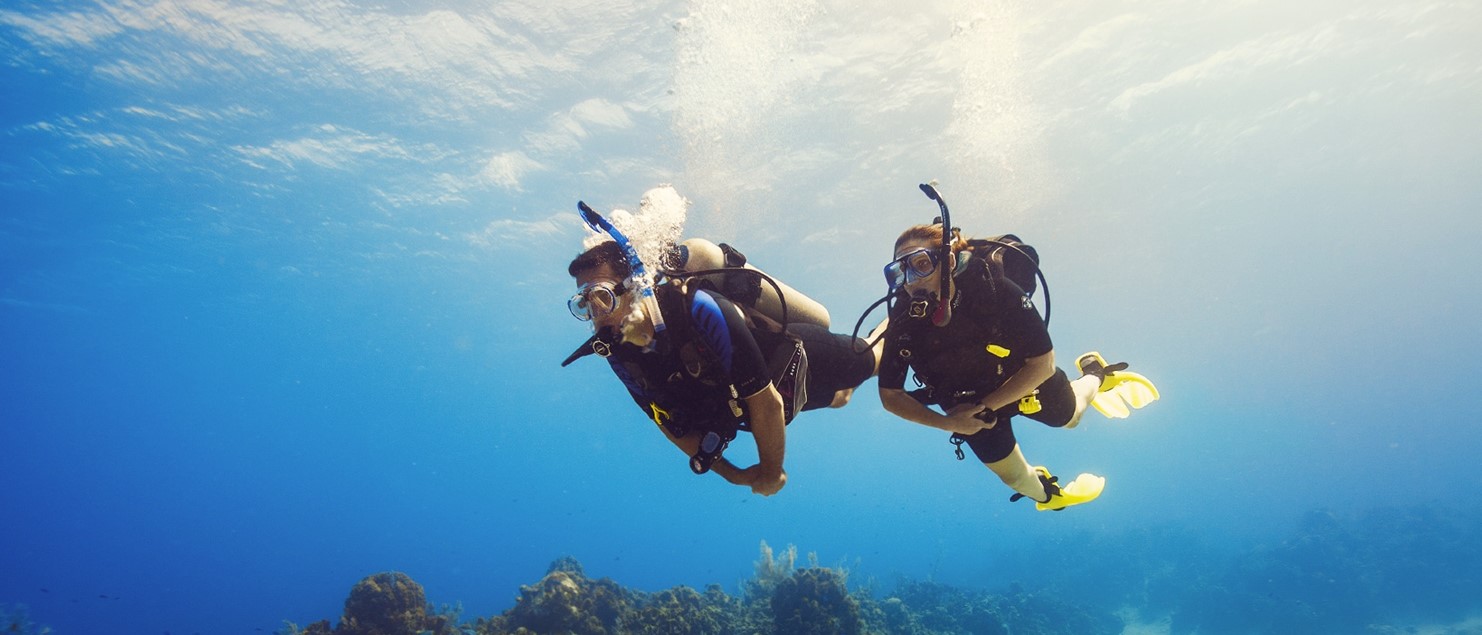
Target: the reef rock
(387, 604)
(816, 600)
(565, 601)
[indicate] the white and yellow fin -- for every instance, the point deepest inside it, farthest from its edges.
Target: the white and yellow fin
(1121, 391)
(1084, 489)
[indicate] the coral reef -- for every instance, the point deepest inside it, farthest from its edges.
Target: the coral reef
(17, 619)
(683, 611)
(565, 601)
(1343, 574)
(939, 608)
(781, 598)
(815, 600)
(1376, 572)
(385, 604)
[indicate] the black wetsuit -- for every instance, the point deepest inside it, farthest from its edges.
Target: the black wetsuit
(699, 371)
(994, 328)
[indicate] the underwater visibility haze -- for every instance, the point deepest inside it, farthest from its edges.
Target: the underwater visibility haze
(283, 285)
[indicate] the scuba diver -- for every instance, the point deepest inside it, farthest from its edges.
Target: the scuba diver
(711, 347)
(965, 324)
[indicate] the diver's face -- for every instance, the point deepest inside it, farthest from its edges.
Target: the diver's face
(918, 252)
(917, 271)
(603, 315)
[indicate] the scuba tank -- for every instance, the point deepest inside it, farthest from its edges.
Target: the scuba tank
(710, 262)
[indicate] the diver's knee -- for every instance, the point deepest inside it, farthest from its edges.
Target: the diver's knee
(841, 398)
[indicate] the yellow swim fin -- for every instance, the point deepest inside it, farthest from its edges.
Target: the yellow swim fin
(1111, 405)
(1084, 489)
(1120, 387)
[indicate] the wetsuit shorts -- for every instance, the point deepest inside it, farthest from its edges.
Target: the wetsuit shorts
(1057, 405)
(832, 363)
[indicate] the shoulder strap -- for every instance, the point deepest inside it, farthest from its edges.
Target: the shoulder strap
(1009, 257)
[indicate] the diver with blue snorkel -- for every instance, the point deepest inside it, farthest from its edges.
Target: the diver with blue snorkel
(709, 346)
(962, 319)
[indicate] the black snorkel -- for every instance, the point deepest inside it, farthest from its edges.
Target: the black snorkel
(921, 305)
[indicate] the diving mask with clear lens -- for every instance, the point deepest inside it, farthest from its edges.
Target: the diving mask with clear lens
(911, 267)
(595, 300)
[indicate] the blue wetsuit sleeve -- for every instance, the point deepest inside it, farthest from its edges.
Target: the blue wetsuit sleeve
(722, 328)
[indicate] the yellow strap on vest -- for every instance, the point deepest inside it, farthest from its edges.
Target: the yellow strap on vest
(660, 415)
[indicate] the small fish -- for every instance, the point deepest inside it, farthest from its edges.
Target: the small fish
(102, 596)
(46, 590)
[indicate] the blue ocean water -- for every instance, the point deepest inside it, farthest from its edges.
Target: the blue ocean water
(281, 298)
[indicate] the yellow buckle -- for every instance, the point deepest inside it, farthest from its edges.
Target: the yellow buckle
(1030, 405)
(660, 414)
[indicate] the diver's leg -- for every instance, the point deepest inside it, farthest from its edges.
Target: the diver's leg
(841, 398)
(1084, 388)
(1000, 453)
(1016, 473)
(876, 337)
(1119, 391)
(837, 364)
(1060, 402)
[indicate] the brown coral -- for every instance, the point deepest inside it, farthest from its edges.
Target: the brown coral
(385, 604)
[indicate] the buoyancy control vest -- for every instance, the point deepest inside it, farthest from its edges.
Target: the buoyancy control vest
(970, 356)
(684, 385)
(1009, 257)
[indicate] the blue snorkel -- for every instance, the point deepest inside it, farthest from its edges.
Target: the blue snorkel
(637, 274)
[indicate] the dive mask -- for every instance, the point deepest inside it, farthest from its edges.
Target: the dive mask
(595, 300)
(911, 267)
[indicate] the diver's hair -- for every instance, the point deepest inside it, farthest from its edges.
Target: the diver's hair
(932, 233)
(606, 252)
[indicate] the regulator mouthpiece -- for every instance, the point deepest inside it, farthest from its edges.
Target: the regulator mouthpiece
(921, 304)
(607, 338)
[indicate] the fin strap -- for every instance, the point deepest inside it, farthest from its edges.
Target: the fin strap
(1051, 488)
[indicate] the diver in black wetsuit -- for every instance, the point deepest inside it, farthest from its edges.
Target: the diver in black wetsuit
(981, 352)
(715, 368)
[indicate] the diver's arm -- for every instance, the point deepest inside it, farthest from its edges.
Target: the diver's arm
(1035, 371)
(769, 429)
(960, 419)
(690, 444)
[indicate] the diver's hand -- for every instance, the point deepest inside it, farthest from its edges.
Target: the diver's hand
(764, 481)
(962, 419)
